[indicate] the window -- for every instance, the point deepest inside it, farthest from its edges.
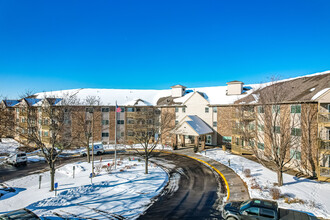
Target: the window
(208, 139)
(251, 126)
(105, 122)
(215, 110)
(105, 134)
(206, 109)
(130, 133)
(295, 108)
(277, 129)
(122, 109)
(120, 122)
(261, 109)
(105, 109)
(276, 109)
(39, 109)
(45, 121)
(46, 133)
(251, 143)
(214, 124)
(176, 109)
(226, 139)
(268, 213)
(183, 109)
(149, 121)
(122, 134)
(296, 131)
(176, 122)
(23, 120)
(90, 110)
(294, 154)
(40, 121)
(261, 127)
(130, 121)
(17, 120)
(261, 146)
(252, 211)
(250, 109)
(17, 110)
(130, 110)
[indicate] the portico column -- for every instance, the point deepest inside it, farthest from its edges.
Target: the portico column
(196, 141)
(182, 141)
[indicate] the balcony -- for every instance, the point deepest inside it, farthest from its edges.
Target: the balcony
(240, 150)
(324, 174)
(325, 145)
(324, 118)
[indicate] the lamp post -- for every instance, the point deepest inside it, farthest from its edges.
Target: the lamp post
(92, 112)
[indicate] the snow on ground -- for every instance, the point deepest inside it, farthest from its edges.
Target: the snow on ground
(135, 146)
(314, 194)
(8, 145)
(126, 191)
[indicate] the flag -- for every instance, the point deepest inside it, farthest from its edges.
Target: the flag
(118, 109)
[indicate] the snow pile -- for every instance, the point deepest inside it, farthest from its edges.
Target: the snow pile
(68, 169)
(315, 195)
(124, 192)
(34, 158)
(8, 145)
(135, 146)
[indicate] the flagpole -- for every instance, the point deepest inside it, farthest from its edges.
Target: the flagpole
(116, 136)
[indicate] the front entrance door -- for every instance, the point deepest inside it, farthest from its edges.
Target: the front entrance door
(209, 139)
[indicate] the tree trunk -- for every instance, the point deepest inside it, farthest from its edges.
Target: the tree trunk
(88, 155)
(146, 165)
(280, 177)
(52, 176)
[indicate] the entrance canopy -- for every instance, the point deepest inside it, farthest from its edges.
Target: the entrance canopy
(193, 125)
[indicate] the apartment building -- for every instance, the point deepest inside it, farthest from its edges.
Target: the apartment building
(202, 116)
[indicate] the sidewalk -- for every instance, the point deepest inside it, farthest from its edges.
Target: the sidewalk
(237, 190)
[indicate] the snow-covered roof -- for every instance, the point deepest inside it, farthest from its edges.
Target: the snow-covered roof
(317, 95)
(216, 95)
(199, 126)
(10, 103)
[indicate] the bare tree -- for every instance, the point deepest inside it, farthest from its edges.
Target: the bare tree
(6, 119)
(278, 133)
(85, 119)
(45, 124)
(147, 128)
(309, 139)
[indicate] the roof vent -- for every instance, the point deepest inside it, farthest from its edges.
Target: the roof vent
(234, 87)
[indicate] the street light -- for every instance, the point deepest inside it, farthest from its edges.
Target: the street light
(91, 111)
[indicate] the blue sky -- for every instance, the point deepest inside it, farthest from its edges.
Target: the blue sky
(52, 45)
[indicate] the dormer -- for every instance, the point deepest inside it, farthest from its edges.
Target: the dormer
(234, 87)
(178, 91)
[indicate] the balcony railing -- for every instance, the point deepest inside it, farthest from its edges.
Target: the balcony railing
(245, 115)
(325, 144)
(325, 172)
(324, 118)
(240, 149)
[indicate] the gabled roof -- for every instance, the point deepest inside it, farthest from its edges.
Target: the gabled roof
(10, 103)
(198, 126)
(32, 101)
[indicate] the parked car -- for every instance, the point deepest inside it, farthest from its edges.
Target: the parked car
(19, 214)
(17, 159)
(98, 150)
(250, 209)
(261, 210)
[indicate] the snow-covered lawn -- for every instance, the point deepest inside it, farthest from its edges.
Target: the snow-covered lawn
(315, 195)
(8, 145)
(126, 191)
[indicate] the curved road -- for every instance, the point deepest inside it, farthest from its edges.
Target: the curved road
(198, 195)
(193, 192)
